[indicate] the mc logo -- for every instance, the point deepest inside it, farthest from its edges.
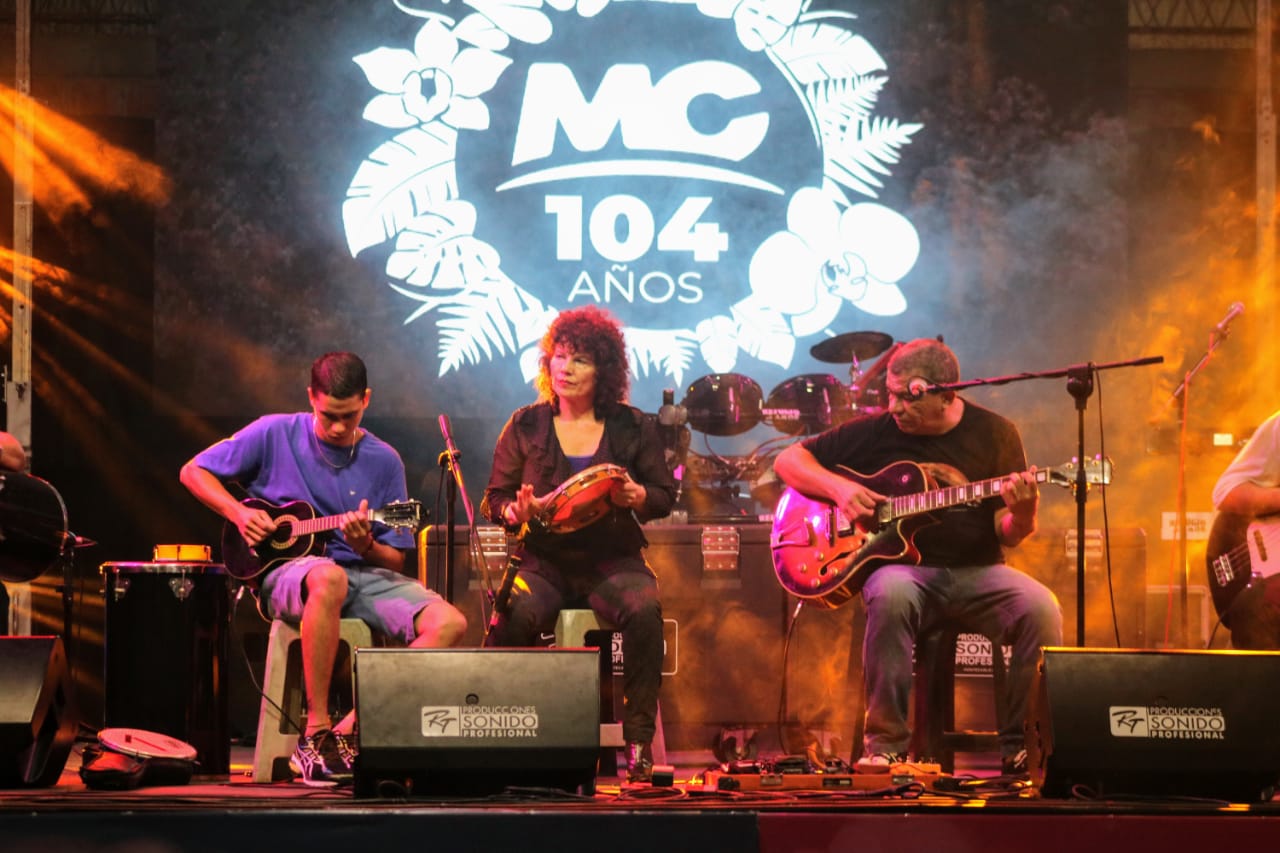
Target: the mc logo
(651, 116)
(706, 170)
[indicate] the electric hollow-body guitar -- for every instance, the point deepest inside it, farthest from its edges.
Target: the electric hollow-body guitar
(296, 534)
(1241, 551)
(821, 555)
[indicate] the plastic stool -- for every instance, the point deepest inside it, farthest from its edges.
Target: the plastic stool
(282, 684)
(571, 632)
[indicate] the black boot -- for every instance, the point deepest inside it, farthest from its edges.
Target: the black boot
(639, 762)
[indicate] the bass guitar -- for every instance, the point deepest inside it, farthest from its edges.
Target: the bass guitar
(295, 535)
(1241, 551)
(819, 554)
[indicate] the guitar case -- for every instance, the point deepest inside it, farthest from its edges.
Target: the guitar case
(124, 759)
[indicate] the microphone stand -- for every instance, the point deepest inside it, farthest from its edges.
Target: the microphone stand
(1179, 395)
(503, 599)
(448, 461)
(1080, 387)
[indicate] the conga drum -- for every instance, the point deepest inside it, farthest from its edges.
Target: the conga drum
(167, 628)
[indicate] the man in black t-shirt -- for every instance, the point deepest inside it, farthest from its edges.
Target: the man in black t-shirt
(960, 572)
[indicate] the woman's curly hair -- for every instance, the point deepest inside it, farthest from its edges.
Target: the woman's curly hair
(594, 331)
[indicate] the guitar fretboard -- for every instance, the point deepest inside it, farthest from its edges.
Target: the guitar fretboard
(404, 516)
(905, 505)
(305, 527)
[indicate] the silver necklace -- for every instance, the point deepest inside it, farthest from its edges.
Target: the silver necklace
(351, 454)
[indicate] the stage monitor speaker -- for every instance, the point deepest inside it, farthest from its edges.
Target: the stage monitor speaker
(465, 722)
(1199, 724)
(37, 727)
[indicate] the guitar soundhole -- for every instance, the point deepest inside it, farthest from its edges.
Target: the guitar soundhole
(282, 539)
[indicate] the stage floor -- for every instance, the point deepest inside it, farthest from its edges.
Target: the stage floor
(971, 810)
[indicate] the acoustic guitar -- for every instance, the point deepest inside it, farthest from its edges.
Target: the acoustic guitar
(295, 535)
(819, 554)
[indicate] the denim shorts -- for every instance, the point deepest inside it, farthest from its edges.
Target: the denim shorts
(387, 601)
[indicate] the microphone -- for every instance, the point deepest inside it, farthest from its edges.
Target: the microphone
(917, 388)
(502, 601)
(670, 414)
(1236, 309)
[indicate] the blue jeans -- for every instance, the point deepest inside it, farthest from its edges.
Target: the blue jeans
(904, 601)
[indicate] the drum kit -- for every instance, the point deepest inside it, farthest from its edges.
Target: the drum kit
(725, 404)
(730, 404)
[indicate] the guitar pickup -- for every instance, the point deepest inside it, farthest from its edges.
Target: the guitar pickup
(1259, 541)
(1223, 573)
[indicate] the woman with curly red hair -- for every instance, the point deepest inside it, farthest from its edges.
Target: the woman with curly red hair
(582, 420)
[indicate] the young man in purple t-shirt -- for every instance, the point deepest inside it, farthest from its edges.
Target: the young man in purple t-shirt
(325, 458)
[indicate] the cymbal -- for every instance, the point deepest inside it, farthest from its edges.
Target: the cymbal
(850, 346)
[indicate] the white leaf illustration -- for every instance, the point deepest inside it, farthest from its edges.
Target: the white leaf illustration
(764, 333)
(401, 179)
(668, 350)
(495, 317)
(865, 151)
(475, 324)
(845, 102)
(814, 51)
(520, 19)
(478, 30)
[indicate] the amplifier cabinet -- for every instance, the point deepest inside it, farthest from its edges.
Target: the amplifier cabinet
(1050, 557)
(718, 587)
(467, 582)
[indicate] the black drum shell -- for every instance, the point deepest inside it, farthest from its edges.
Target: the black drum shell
(724, 404)
(809, 404)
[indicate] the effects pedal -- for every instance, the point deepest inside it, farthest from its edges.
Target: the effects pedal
(797, 773)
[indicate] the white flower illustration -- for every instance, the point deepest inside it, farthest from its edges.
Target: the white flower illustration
(826, 257)
(436, 80)
(586, 8)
